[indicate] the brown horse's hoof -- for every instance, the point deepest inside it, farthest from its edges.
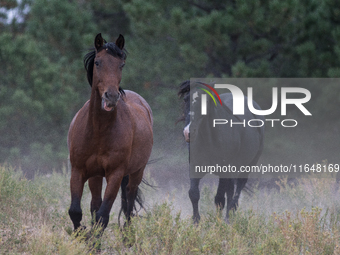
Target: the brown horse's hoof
(81, 232)
(77, 232)
(226, 220)
(80, 229)
(196, 219)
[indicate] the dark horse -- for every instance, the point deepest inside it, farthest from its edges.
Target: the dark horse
(111, 136)
(237, 146)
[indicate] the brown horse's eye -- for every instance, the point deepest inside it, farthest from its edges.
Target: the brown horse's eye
(122, 65)
(96, 63)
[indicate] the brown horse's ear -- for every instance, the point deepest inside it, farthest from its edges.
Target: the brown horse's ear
(120, 42)
(99, 41)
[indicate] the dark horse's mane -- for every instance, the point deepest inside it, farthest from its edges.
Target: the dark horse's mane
(184, 89)
(112, 49)
(184, 92)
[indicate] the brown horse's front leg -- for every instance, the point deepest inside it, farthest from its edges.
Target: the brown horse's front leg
(113, 183)
(77, 186)
(95, 185)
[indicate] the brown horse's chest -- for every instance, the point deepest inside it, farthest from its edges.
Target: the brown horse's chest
(101, 144)
(100, 155)
(97, 164)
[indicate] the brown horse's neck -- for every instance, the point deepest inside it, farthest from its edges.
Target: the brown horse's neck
(99, 120)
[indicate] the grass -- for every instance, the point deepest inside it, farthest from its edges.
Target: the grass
(300, 218)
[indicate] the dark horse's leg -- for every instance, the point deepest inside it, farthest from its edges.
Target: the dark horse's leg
(229, 187)
(194, 195)
(220, 194)
(77, 186)
(233, 202)
(113, 183)
(240, 184)
(95, 185)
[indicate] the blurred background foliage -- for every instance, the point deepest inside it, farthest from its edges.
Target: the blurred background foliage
(43, 83)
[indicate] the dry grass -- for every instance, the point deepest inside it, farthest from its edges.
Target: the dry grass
(301, 218)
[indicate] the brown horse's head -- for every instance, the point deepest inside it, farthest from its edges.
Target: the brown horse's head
(104, 68)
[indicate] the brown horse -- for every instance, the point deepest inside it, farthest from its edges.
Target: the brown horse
(111, 136)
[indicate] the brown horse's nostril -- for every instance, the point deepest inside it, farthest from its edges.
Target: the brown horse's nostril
(111, 97)
(110, 100)
(107, 95)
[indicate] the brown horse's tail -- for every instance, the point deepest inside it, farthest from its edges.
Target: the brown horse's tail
(139, 196)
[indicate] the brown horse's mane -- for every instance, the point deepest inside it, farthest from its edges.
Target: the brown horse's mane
(112, 49)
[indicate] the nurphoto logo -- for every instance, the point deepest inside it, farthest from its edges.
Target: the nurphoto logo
(239, 104)
(233, 123)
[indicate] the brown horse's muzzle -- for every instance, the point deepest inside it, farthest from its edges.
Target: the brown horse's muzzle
(110, 101)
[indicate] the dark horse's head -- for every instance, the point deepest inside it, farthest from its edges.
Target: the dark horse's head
(192, 105)
(184, 92)
(104, 65)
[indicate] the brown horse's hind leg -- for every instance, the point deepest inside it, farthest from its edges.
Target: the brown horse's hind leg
(134, 180)
(95, 185)
(77, 186)
(123, 186)
(113, 183)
